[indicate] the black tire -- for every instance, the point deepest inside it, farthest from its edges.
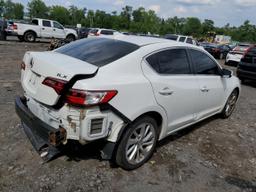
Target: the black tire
(226, 113)
(123, 147)
(71, 37)
(30, 36)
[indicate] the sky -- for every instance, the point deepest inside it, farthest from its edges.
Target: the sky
(221, 12)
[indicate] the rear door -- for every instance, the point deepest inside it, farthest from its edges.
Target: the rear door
(210, 93)
(173, 84)
(46, 29)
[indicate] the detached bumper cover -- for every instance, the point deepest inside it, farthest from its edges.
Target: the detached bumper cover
(38, 132)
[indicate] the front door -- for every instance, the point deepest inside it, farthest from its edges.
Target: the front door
(211, 85)
(173, 84)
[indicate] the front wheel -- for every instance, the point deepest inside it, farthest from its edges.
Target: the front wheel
(230, 104)
(137, 144)
(71, 38)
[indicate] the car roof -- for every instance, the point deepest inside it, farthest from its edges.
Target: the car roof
(143, 40)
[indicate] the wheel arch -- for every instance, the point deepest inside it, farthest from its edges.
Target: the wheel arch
(32, 31)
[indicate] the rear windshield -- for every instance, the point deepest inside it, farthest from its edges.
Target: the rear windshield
(98, 51)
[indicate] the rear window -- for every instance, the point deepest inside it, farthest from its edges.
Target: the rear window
(98, 52)
(94, 31)
(107, 32)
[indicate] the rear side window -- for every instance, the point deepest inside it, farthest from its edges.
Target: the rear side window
(99, 51)
(172, 61)
(46, 23)
(35, 22)
(107, 32)
(204, 65)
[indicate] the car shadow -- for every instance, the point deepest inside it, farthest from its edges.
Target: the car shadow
(74, 151)
(183, 132)
(250, 83)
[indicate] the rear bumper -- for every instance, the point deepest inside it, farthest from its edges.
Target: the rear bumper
(44, 138)
(242, 74)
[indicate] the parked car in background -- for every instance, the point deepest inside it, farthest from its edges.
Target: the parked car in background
(218, 51)
(235, 55)
(247, 67)
(102, 32)
(181, 38)
(42, 28)
(127, 91)
(83, 32)
(3, 26)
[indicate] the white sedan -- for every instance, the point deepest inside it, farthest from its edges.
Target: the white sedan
(128, 91)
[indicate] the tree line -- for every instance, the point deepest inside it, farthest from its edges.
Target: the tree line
(137, 20)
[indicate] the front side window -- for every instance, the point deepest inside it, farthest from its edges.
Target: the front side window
(46, 23)
(57, 25)
(204, 65)
(189, 40)
(172, 61)
(182, 39)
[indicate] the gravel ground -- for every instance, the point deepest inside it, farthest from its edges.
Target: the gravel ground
(214, 155)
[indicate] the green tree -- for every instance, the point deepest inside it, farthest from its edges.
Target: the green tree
(18, 10)
(193, 27)
(37, 8)
(60, 14)
(76, 15)
(207, 25)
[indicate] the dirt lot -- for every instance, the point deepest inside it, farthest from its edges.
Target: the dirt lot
(215, 155)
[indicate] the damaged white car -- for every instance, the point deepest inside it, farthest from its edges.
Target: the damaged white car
(128, 91)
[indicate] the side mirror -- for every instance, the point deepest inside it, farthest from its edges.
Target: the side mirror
(225, 73)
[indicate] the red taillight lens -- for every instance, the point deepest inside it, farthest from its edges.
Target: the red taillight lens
(80, 97)
(56, 84)
(15, 27)
(88, 98)
(23, 66)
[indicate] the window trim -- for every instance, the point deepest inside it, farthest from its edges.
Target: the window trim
(166, 49)
(193, 65)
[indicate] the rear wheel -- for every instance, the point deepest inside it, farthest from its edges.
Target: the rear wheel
(30, 36)
(137, 144)
(230, 104)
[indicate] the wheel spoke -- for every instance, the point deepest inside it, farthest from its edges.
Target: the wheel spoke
(146, 144)
(131, 142)
(132, 156)
(130, 150)
(148, 137)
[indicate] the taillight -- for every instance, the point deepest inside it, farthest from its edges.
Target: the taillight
(80, 97)
(14, 27)
(98, 33)
(23, 66)
(88, 98)
(56, 84)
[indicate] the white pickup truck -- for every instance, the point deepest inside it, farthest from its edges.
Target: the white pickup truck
(42, 28)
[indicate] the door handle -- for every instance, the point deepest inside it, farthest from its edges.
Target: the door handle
(205, 89)
(166, 91)
(54, 29)
(43, 28)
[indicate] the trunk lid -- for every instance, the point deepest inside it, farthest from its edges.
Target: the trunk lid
(39, 65)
